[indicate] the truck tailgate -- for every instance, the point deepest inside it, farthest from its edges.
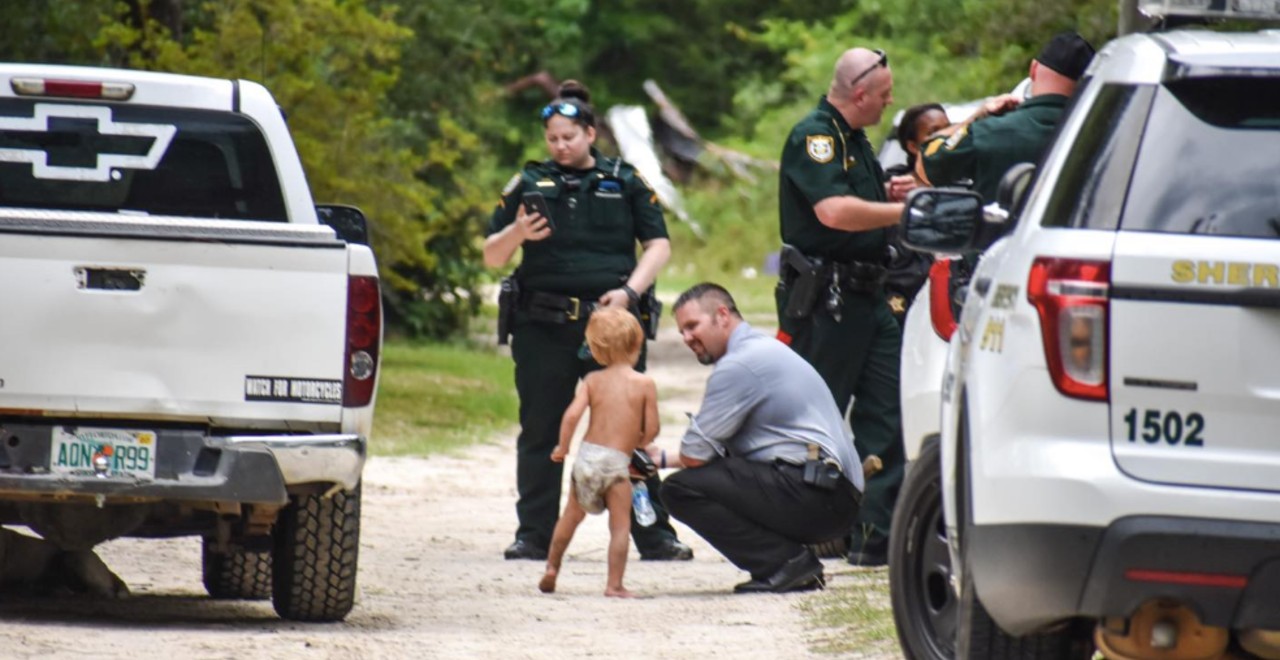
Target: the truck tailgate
(240, 323)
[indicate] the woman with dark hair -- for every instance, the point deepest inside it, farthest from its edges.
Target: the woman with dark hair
(917, 124)
(576, 219)
(908, 269)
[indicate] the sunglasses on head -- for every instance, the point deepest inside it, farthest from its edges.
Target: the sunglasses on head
(563, 109)
(883, 61)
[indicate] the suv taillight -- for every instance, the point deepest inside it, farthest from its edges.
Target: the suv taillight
(940, 312)
(1071, 297)
(364, 339)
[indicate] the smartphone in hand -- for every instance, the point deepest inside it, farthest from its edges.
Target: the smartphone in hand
(534, 202)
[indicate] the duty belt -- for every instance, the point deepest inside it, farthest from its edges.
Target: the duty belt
(859, 275)
(555, 308)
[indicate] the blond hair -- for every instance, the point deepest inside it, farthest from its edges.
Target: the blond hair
(614, 336)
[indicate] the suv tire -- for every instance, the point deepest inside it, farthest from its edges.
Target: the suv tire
(235, 575)
(924, 603)
(317, 543)
(977, 634)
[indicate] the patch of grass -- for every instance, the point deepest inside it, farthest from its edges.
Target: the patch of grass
(853, 616)
(435, 397)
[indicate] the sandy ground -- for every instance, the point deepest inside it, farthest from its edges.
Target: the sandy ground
(433, 582)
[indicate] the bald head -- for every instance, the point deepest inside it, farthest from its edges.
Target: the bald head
(855, 63)
(861, 86)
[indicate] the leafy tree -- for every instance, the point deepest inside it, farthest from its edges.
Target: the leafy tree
(330, 64)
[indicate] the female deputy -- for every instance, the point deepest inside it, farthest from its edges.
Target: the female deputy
(580, 258)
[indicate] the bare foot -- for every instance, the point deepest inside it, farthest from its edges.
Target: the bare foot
(547, 584)
(620, 592)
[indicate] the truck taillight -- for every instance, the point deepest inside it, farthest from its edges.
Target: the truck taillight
(364, 340)
(79, 89)
(944, 320)
(1071, 297)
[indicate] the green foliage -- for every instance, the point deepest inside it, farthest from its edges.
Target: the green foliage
(438, 397)
(402, 107)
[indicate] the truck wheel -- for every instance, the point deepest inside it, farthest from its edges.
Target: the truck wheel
(317, 541)
(924, 604)
(236, 575)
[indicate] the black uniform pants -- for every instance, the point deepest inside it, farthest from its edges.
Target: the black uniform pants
(548, 369)
(859, 357)
(758, 515)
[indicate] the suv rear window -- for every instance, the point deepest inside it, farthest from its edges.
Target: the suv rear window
(1208, 160)
(142, 159)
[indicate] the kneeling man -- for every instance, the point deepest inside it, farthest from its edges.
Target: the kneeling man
(769, 466)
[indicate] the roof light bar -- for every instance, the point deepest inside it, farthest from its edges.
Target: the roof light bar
(80, 89)
(1256, 9)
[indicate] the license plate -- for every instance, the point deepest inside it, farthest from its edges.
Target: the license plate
(94, 452)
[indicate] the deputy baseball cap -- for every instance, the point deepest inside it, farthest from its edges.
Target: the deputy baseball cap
(1068, 54)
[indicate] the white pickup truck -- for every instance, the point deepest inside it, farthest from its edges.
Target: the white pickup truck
(189, 346)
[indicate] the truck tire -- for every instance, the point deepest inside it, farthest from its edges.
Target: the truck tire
(316, 547)
(235, 575)
(924, 603)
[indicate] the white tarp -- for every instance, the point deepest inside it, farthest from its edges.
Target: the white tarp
(630, 126)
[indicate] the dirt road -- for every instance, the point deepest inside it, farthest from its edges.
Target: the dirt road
(433, 583)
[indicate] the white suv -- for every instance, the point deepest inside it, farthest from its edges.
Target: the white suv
(1110, 472)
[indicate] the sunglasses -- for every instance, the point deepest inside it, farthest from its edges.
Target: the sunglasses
(563, 109)
(883, 61)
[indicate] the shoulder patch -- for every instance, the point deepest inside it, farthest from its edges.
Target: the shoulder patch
(821, 148)
(932, 146)
(957, 137)
(511, 185)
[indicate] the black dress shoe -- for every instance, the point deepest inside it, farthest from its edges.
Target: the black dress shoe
(668, 550)
(801, 573)
(524, 550)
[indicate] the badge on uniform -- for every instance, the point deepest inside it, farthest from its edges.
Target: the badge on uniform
(821, 148)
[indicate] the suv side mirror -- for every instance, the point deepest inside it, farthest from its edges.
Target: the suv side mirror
(1013, 187)
(348, 222)
(941, 220)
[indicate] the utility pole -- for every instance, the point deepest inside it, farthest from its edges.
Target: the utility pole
(1130, 20)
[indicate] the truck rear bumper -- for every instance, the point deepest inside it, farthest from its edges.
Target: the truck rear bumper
(190, 466)
(306, 459)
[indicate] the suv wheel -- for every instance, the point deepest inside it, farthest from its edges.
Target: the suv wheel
(924, 604)
(317, 542)
(977, 635)
(235, 575)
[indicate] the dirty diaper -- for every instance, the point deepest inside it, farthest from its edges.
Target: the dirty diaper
(596, 469)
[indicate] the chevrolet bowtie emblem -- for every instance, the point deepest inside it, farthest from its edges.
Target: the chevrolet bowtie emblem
(106, 142)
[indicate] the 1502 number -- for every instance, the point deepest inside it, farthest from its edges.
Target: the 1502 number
(1172, 427)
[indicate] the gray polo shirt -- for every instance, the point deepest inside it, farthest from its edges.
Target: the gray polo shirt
(764, 402)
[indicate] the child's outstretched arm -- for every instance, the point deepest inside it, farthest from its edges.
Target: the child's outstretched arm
(651, 423)
(569, 423)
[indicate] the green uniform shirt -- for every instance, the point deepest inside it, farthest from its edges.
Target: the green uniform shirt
(990, 146)
(597, 219)
(824, 158)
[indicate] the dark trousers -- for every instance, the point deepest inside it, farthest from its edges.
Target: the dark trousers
(859, 357)
(548, 369)
(758, 515)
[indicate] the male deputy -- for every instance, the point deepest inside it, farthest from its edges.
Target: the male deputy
(835, 208)
(984, 146)
(768, 460)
